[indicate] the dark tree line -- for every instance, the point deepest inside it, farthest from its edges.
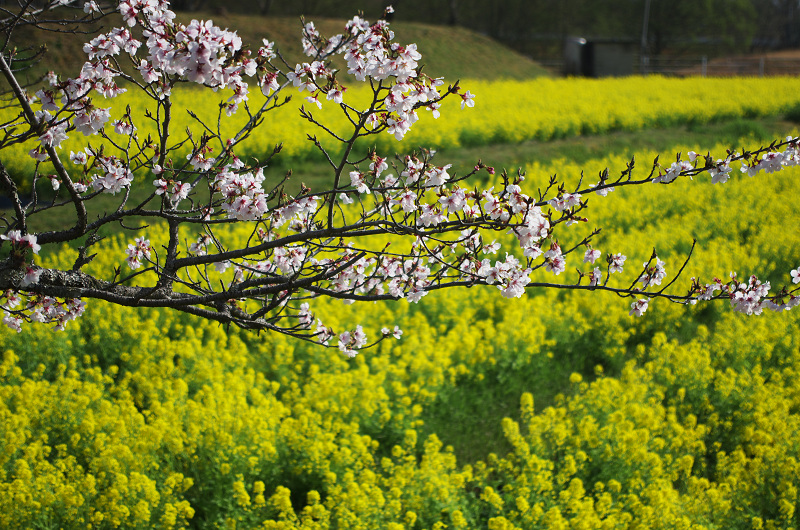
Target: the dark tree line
(538, 27)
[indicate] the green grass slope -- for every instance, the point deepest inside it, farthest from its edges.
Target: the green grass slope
(452, 53)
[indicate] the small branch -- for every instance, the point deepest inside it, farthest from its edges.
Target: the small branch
(11, 187)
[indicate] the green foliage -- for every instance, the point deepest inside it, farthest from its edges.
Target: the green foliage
(793, 113)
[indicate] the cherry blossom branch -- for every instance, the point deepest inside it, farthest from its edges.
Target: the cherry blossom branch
(390, 233)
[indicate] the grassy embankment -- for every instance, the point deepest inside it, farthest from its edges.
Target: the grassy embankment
(454, 53)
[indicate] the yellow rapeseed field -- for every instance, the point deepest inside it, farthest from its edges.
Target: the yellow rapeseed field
(506, 112)
(686, 418)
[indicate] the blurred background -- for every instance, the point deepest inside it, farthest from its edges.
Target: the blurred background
(591, 37)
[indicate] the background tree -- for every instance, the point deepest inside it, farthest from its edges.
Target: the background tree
(777, 23)
(715, 24)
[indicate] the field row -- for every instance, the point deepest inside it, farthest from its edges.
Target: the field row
(505, 112)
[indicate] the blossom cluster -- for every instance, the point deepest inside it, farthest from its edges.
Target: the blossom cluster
(199, 52)
(371, 54)
(750, 297)
(21, 242)
(175, 191)
(244, 194)
(42, 309)
(116, 175)
(137, 252)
